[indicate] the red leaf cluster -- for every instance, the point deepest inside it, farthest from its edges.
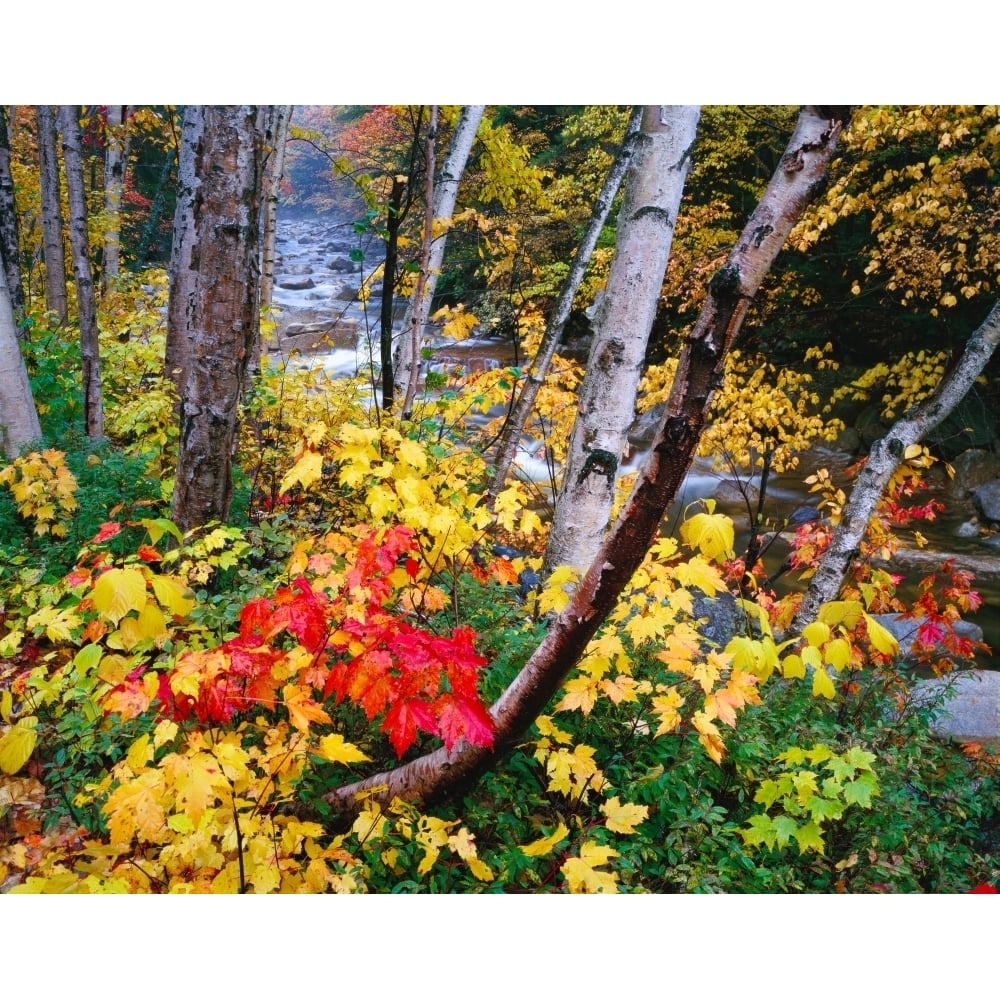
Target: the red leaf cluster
(415, 679)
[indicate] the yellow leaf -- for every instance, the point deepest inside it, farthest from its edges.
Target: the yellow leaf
(335, 748)
(880, 637)
(581, 873)
(623, 817)
(822, 685)
(305, 471)
(119, 591)
(847, 613)
(174, 594)
(140, 753)
(480, 869)
(412, 453)
(792, 666)
(302, 709)
(17, 744)
(542, 846)
(838, 653)
(816, 633)
(712, 534)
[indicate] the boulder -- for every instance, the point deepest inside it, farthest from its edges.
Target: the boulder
(973, 468)
(970, 705)
(296, 284)
(986, 499)
(343, 265)
(729, 491)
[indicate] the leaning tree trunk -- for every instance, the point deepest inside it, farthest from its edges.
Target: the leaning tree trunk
(606, 405)
(406, 363)
(699, 371)
(884, 457)
(518, 419)
(10, 242)
(214, 300)
(18, 415)
(115, 160)
(278, 117)
(52, 220)
(90, 357)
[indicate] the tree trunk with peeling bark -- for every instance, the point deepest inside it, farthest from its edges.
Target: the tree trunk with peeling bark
(277, 119)
(214, 300)
(799, 176)
(884, 457)
(406, 361)
(420, 305)
(115, 159)
(86, 307)
(606, 404)
(18, 415)
(10, 237)
(518, 419)
(52, 220)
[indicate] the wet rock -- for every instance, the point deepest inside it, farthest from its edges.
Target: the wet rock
(970, 705)
(296, 284)
(348, 293)
(973, 468)
(297, 269)
(729, 491)
(721, 618)
(643, 428)
(968, 529)
(342, 265)
(986, 499)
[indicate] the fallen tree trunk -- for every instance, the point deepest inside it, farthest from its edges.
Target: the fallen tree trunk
(797, 180)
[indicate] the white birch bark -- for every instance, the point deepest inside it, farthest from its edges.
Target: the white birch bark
(406, 364)
(115, 159)
(277, 120)
(884, 457)
(90, 360)
(18, 415)
(10, 242)
(507, 447)
(653, 188)
(52, 221)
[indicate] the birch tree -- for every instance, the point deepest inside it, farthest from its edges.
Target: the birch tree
(406, 360)
(90, 358)
(653, 188)
(277, 120)
(798, 178)
(884, 457)
(115, 161)
(18, 415)
(52, 220)
(10, 242)
(213, 312)
(556, 324)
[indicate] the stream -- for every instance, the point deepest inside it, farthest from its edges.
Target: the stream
(321, 264)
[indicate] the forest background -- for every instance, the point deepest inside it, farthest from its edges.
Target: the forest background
(638, 931)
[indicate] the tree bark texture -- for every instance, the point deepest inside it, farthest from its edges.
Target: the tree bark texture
(18, 416)
(700, 367)
(10, 239)
(420, 305)
(115, 160)
(90, 357)
(407, 358)
(884, 457)
(52, 220)
(514, 428)
(606, 406)
(213, 313)
(277, 119)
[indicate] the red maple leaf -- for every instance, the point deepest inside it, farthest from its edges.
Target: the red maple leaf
(463, 718)
(107, 530)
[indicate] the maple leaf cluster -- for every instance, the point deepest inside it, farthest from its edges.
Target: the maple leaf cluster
(302, 643)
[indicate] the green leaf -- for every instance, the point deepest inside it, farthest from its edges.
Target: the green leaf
(810, 838)
(784, 829)
(861, 791)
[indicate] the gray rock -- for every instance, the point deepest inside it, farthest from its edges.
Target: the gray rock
(970, 702)
(973, 468)
(348, 293)
(721, 618)
(986, 499)
(296, 284)
(729, 491)
(643, 428)
(298, 269)
(968, 529)
(343, 265)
